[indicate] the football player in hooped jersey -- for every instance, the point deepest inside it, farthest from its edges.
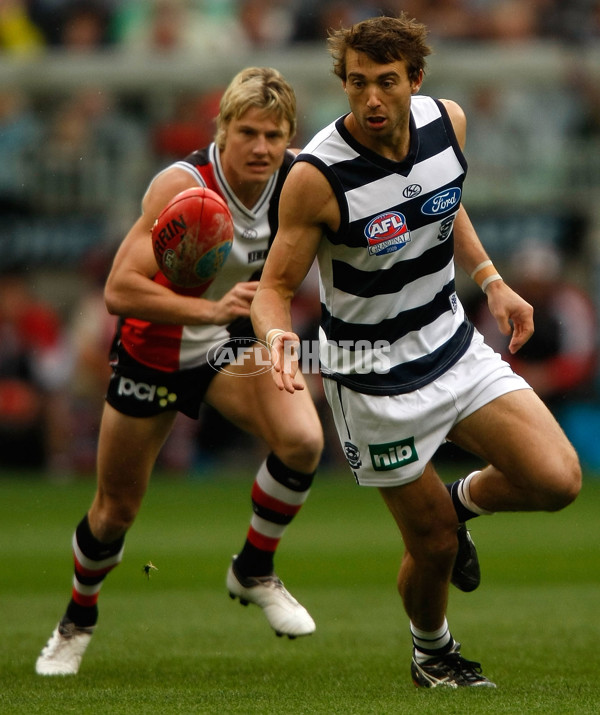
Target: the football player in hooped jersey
(376, 197)
(164, 339)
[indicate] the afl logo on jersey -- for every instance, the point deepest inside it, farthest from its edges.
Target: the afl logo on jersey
(441, 203)
(387, 233)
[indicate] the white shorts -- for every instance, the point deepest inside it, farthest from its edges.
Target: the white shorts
(388, 439)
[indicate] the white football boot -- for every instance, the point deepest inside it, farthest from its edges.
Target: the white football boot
(286, 616)
(63, 653)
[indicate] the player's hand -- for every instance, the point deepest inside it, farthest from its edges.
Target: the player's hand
(235, 303)
(512, 313)
(285, 357)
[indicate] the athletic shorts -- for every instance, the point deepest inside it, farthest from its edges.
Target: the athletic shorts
(388, 439)
(140, 391)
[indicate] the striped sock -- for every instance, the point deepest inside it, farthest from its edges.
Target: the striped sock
(93, 560)
(464, 506)
(277, 496)
(429, 644)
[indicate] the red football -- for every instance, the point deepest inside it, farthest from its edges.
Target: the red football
(192, 237)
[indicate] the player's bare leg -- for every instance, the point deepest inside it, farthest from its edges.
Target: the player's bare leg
(427, 522)
(127, 450)
(290, 426)
(426, 519)
(533, 466)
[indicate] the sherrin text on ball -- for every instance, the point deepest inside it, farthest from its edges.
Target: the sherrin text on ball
(192, 237)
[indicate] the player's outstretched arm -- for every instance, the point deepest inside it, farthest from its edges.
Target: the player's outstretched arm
(302, 215)
(512, 313)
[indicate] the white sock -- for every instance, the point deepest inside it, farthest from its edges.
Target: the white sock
(426, 643)
(464, 494)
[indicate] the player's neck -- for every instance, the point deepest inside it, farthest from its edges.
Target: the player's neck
(394, 146)
(248, 193)
(247, 190)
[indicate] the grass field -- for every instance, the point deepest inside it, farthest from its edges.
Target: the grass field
(175, 643)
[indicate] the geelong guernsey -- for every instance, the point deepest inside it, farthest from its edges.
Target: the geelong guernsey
(391, 320)
(175, 347)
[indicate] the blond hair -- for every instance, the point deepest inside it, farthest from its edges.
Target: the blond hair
(262, 87)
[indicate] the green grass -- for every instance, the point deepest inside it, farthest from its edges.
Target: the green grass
(175, 643)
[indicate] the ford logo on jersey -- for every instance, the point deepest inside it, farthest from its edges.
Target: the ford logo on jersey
(440, 203)
(387, 233)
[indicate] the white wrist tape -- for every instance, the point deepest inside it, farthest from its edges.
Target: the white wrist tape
(490, 279)
(272, 334)
(476, 270)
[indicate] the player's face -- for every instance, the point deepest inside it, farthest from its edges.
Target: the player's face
(379, 98)
(255, 145)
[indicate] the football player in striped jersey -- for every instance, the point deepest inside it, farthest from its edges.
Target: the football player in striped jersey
(376, 197)
(175, 350)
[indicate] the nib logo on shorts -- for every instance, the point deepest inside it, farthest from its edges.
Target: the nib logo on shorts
(392, 455)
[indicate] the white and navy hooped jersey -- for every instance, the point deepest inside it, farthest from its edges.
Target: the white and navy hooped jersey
(174, 347)
(391, 320)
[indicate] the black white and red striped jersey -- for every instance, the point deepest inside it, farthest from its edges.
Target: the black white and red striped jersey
(173, 347)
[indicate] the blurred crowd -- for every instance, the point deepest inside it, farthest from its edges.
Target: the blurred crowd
(54, 372)
(54, 365)
(73, 168)
(174, 25)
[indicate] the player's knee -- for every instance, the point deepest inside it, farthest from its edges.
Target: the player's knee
(445, 546)
(124, 517)
(301, 449)
(437, 555)
(438, 545)
(113, 519)
(570, 487)
(563, 483)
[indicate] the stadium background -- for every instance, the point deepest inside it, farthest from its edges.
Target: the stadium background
(89, 109)
(95, 97)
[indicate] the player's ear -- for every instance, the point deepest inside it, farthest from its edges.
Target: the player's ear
(415, 84)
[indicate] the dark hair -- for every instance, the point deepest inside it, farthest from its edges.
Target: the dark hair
(384, 40)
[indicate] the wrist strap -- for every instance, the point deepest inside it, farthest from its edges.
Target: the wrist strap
(484, 274)
(476, 270)
(272, 335)
(490, 279)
